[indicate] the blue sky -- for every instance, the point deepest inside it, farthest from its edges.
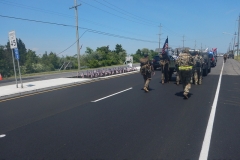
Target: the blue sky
(202, 21)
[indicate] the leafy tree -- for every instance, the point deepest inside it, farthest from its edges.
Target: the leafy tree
(6, 63)
(22, 51)
(118, 48)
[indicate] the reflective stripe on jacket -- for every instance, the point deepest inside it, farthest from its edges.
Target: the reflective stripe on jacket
(182, 68)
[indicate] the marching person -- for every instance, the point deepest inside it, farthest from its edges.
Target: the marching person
(197, 70)
(164, 63)
(225, 57)
(146, 70)
(185, 63)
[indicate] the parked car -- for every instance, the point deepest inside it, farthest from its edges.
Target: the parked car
(156, 63)
(213, 60)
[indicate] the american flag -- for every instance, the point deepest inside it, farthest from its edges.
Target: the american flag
(165, 46)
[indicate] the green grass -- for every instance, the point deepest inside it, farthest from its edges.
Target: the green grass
(237, 58)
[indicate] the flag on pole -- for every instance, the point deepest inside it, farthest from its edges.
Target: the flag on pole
(165, 46)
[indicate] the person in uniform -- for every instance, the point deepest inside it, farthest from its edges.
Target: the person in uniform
(177, 71)
(185, 63)
(197, 69)
(164, 63)
(146, 69)
(225, 57)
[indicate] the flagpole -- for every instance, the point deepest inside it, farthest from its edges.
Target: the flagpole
(168, 45)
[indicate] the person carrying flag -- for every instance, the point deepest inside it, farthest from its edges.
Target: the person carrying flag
(164, 63)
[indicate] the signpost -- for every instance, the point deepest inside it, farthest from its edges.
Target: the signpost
(17, 58)
(13, 46)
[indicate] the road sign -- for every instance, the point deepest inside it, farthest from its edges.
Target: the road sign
(12, 39)
(16, 53)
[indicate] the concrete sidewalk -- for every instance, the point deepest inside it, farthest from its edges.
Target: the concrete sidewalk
(9, 91)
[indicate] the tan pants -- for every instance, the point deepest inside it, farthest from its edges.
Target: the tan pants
(185, 77)
(186, 88)
(198, 76)
(146, 80)
(165, 72)
(177, 77)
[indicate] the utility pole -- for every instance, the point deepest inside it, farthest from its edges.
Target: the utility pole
(234, 42)
(77, 35)
(195, 45)
(201, 47)
(238, 34)
(159, 45)
(183, 41)
(230, 47)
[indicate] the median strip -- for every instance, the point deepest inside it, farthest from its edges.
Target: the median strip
(112, 95)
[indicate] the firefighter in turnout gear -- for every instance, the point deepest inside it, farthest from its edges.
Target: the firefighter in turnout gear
(146, 70)
(164, 63)
(197, 69)
(185, 65)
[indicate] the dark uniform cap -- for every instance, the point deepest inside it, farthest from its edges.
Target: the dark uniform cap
(145, 54)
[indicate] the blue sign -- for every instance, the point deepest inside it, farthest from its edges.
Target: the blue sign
(16, 53)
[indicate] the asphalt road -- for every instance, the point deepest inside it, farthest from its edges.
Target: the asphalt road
(132, 124)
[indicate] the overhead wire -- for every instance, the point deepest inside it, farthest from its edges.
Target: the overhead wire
(89, 30)
(118, 15)
(129, 12)
(58, 14)
(123, 12)
(98, 32)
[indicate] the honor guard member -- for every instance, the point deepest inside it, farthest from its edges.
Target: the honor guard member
(197, 69)
(164, 63)
(185, 63)
(146, 70)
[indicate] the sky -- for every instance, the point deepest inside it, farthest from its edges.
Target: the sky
(135, 24)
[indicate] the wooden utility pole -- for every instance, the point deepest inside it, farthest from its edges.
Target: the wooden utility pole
(159, 45)
(77, 35)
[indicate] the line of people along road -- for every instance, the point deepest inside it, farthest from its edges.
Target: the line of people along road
(188, 67)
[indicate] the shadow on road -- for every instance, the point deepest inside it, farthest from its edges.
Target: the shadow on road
(180, 94)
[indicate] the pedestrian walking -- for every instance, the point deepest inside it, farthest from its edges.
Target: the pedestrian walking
(185, 63)
(164, 63)
(147, 71)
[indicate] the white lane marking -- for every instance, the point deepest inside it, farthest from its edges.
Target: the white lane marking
(112, 95)
(2, 135)
(208, 133)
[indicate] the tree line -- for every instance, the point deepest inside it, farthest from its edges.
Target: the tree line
(30, 62)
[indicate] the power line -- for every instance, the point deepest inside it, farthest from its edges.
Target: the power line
(124, 12)
(89, 30)
(34, 8)
(59, 14)
(117, 15)
(72, 44)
